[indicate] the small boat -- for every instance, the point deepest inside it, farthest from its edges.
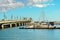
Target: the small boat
(21, 27)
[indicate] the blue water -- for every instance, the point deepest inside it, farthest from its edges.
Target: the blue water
(29, 34)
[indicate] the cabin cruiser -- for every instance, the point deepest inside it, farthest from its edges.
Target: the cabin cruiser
(41, 25)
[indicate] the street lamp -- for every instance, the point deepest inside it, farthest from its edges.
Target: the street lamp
(4, 15)
(11, 17)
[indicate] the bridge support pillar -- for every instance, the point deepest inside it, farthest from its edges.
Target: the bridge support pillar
(15, 24)
(10, 25)
(19, 24)
(2, 26)
(22, 24)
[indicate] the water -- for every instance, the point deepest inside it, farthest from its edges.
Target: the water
(29, 34)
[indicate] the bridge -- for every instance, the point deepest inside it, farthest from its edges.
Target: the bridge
(13, 23)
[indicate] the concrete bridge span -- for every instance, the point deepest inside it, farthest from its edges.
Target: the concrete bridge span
(13, 23)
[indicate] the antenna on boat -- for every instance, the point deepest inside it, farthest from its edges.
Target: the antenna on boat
(43, 17)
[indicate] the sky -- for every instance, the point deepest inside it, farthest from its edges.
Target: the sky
(31, 8)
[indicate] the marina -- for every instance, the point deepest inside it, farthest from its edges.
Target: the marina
(29, 20)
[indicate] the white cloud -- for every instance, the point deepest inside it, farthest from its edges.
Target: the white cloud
(40, 3)
(43, 5)
(36, 1)
(9, 4)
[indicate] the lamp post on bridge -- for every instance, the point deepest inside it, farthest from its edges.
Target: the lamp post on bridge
(20, 17)
(5, 18)
(4, 15)
(11, 17)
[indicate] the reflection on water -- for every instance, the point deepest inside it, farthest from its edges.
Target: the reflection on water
(29, 34)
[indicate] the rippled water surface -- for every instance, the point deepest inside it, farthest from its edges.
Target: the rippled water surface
(29, 34)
